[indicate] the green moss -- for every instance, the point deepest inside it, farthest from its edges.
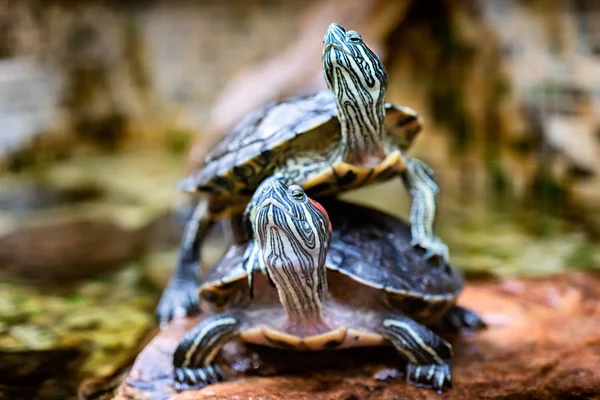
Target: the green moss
(524, 145)
(549, 193)
(502, 88)
(584, 256)
(75, 298)
(498, 182)
(177, 140)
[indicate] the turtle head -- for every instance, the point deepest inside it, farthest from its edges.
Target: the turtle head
(289, 224)
(358, 80)
(293, 233)
(350, 66)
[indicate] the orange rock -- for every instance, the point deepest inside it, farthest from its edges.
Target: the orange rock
(543, 342)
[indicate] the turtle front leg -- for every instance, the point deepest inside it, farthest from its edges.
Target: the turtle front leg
(427, 354)
(458, 320)
(423, 188)
(180, 297)
(193, 358)
(252, 260)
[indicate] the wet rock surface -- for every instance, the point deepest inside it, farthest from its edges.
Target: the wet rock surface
(543, 342)
(52, 338)
(68, 250)
(85, 218)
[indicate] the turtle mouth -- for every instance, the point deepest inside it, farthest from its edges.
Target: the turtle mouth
(331, 45)
(334, 38)
(275, 199)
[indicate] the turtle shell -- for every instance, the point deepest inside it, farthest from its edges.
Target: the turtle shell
(368, 246)
(259, 136)
(228, 277)
(375, 248)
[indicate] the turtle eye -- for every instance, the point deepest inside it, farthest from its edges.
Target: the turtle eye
(298, 194)
(354, 37)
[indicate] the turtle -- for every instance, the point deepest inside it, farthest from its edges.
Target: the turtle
(327, 143)
(351, 279)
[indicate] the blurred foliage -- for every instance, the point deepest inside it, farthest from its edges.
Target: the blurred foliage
(102, 319)
(177, 140)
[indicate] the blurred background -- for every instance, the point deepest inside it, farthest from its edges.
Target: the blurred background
(104, 105)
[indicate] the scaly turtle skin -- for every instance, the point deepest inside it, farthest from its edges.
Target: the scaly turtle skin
(362, 284)
(327, 143)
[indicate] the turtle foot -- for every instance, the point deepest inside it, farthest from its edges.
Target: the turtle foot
(178, 300)
(460, 320)
(195, 378)
(433, 247)
(433, 376)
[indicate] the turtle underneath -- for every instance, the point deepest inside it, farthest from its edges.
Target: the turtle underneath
(358, 284)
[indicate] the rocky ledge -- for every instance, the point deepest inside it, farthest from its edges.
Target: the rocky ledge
(543, 342)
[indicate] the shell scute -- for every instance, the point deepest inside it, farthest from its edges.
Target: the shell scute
(375, 249)
(262, 135)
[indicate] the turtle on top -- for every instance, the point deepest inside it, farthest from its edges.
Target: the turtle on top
(347, 279)
(327, 143)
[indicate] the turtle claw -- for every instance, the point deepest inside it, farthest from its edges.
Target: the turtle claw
(251, 257)
(434, 376)
(252, 260)
(433, 247)
(195, 378)
(246, 224)
(178, 300)
(460, 320)
(251, 272)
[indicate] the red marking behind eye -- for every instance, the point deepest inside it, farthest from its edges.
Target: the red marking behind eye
(322, 209)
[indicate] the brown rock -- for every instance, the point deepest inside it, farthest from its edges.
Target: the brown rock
(543, 342)
(67, 250)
